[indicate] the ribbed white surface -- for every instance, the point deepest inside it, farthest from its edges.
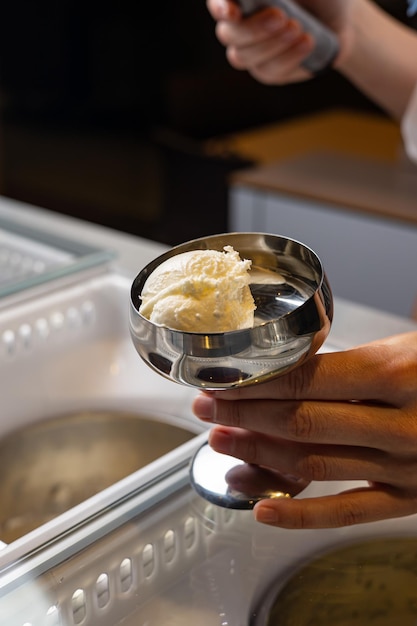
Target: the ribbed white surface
(178, 560)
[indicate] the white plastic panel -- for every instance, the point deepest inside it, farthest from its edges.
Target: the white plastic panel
(71, 350)
(132, 576)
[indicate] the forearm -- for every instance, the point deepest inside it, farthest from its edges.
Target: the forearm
(380, 57)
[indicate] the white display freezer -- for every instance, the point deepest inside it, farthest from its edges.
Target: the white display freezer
(85, 546)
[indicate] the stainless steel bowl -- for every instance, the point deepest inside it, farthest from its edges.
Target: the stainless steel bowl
(371, 582)
(292, 319)
(51, 466)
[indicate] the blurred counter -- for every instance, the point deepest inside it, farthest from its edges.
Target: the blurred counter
(341, 183)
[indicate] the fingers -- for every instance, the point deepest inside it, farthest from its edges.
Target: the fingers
(341, 416)
(272, 59)
(224, 9)
(269, 44)
(318, 462)
(350, 375)
(265, 26)
(314, 422)
(383, 372)
(338, 423)
(345, 509)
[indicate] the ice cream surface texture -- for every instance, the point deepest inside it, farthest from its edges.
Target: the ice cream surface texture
(201, 291)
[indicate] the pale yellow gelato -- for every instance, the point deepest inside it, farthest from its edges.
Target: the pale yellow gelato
(202, 291)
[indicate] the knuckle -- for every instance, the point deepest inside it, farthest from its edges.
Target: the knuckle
(235, 58)
(402, 437)
(315, 467)
(299, 381)
(301, 423)
(395, 368)
(329, 515)
(404, 375)
(228, 413)
(234, 417)
(391, 372)
(404, 474)
(348, 513)
(269, 73)
(263, 75)
(412, 503)
(221, 33)
(252, 453)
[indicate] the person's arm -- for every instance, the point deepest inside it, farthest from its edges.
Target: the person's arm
(379, 57)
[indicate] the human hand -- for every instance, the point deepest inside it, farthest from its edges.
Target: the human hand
(341, 416)
(268, 44)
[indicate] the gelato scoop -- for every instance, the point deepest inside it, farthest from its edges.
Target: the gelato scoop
(201, 291)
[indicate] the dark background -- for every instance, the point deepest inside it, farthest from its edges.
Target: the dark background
(105, 108)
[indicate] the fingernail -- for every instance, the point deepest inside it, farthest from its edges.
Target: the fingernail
(221, 441)
(222, 8)
(266, 515)
(203, 407)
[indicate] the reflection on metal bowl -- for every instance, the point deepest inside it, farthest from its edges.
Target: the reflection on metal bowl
(51, 466)
(373, 582)
(294, 312)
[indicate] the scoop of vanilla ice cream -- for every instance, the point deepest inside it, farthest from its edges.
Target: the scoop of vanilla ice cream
(202, 291)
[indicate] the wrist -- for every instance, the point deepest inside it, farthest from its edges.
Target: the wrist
(360, 21)
(378, 55)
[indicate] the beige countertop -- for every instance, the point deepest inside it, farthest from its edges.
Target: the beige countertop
(331, 178)
(347, 159)
(350, 132)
